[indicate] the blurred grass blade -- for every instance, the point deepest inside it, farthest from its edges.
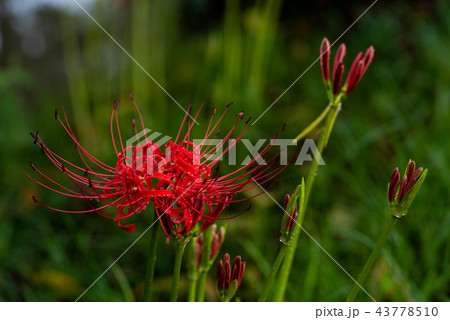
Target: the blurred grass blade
(123, 282)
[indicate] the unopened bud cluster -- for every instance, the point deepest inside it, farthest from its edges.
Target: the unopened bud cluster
(401, 193)
(357, 70)
(229, 277)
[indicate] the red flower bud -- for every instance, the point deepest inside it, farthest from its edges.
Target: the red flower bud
(325, 53)
(353, 75)
(410, 170)
(216, 242)
(416, 175)
(402, 189)
(368, 57)
(339, 58)
(292, 219)
(337, 79)
(409, 186)
(408, 180)
(393, 184)
(226, 274)
(357, 70)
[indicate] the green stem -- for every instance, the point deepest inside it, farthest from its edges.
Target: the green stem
(273, 273)
(192, 290)
(176, 271)
(205, 264)
(373, 256)
(201, 286)
(192, 273)
(313, 124)
(287, 263)
(151, 261)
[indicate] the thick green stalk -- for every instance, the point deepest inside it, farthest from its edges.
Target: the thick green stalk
(287, 263)
(273, 273)
(204, 264)
(176, 271)
(151, 261)
(201, 286)
(192, 273)
(192, 290)
(373, 256)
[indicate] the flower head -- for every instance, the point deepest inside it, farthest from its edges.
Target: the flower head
(357, 70)
(229, 277)
(402, 197)
(181, 178)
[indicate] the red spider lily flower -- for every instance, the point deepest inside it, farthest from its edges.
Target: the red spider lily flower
(401, 198)
(187, 196)
(357, 70)
(229, 278)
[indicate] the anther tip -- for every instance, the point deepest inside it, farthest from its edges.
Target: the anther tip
(240, 114)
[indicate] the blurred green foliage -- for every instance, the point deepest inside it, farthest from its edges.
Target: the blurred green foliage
(247, 53)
